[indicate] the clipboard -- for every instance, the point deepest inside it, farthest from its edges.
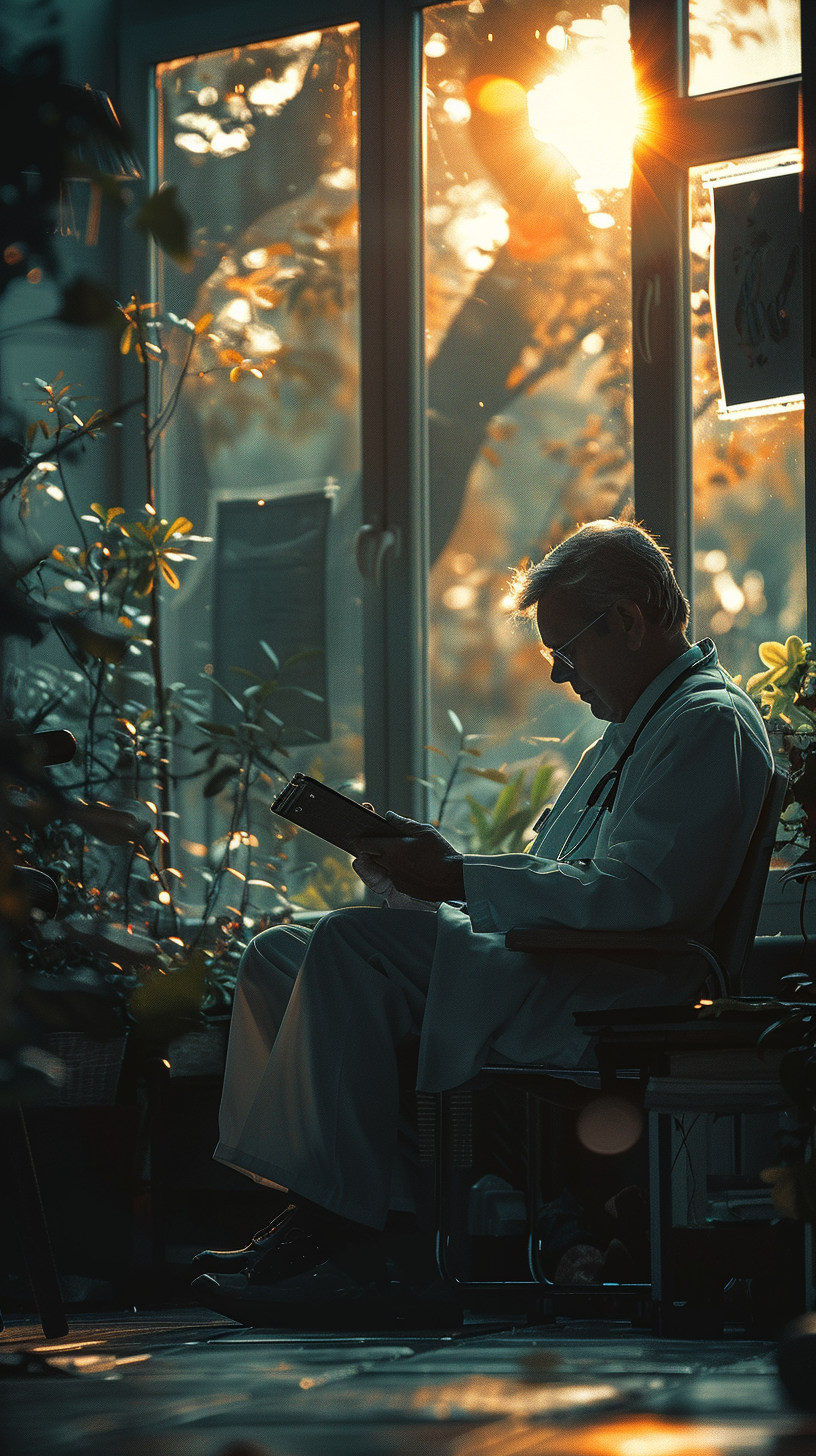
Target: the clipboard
(330, 815)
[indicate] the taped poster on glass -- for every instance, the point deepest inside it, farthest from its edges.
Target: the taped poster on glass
(756, 290)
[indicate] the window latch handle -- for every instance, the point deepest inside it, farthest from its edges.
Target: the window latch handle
(371, 546)
(648, 298)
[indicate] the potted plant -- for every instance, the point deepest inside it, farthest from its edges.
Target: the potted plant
(786, 694)
(785, 691)
(124, 948)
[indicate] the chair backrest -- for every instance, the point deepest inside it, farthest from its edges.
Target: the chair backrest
(735, 926)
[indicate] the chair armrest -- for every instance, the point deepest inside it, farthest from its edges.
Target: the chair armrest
(541, 939)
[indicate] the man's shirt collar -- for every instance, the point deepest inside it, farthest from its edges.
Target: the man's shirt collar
(617, 735)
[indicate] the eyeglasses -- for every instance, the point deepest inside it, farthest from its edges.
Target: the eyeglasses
(559, 654)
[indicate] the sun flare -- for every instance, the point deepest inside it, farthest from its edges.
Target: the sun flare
(590, 110)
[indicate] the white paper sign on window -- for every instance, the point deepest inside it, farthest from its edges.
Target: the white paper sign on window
(756, 290)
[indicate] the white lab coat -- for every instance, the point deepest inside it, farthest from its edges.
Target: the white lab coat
(667, 854)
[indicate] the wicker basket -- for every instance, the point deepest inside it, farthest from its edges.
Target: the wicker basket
(90, 1069)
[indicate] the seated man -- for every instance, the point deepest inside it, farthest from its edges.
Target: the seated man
(650, 831)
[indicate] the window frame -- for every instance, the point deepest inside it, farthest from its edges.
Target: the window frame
(395, 667)
(716, 127)
(702, 129)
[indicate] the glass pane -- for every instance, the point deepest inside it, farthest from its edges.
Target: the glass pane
(263, 451)
(738, 45)
(528, 358)
(749, 500)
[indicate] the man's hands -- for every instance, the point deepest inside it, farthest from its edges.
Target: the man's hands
(421, 863)
(376, 880)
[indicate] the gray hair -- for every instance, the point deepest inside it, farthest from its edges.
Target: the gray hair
(605, 562)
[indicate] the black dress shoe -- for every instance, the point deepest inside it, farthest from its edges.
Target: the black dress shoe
(235, 1261)
(314, 1279)
(325, 1297)
(306, 1284)
(297, 1242)
(328, 1297)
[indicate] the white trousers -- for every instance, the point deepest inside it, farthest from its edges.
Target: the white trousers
(311, 1093)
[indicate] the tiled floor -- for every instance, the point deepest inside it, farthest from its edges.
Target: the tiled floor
(181, 1383)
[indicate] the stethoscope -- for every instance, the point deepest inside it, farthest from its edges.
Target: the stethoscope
(611, 780)
(568, 848)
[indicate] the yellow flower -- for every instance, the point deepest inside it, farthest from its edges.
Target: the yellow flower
(781, 662)
(780, 704)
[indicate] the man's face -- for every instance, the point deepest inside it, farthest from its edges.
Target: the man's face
(598, 666)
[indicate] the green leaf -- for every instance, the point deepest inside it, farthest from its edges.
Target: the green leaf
(216, 684)
(305, 692)
(216, 728)
(163, 217)
(273, 656)
(507, 800)
(456, 722)
(494, 774)
(541, 786)
(105, 646)
(513, 828)
(272, 763)
(303, 656)
(112, 826)
(479, 819)
(219, 779)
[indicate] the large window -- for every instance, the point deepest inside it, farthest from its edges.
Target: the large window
(467, 272)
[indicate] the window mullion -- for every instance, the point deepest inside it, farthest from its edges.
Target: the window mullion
(809, 279)
(396, 569)
(661, 355)
(660, 330)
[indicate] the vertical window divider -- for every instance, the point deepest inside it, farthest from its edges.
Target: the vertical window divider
(393, 407)
(373, 348)
(683, 53)
(420, 504)
(808, 144)
(661, 346)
